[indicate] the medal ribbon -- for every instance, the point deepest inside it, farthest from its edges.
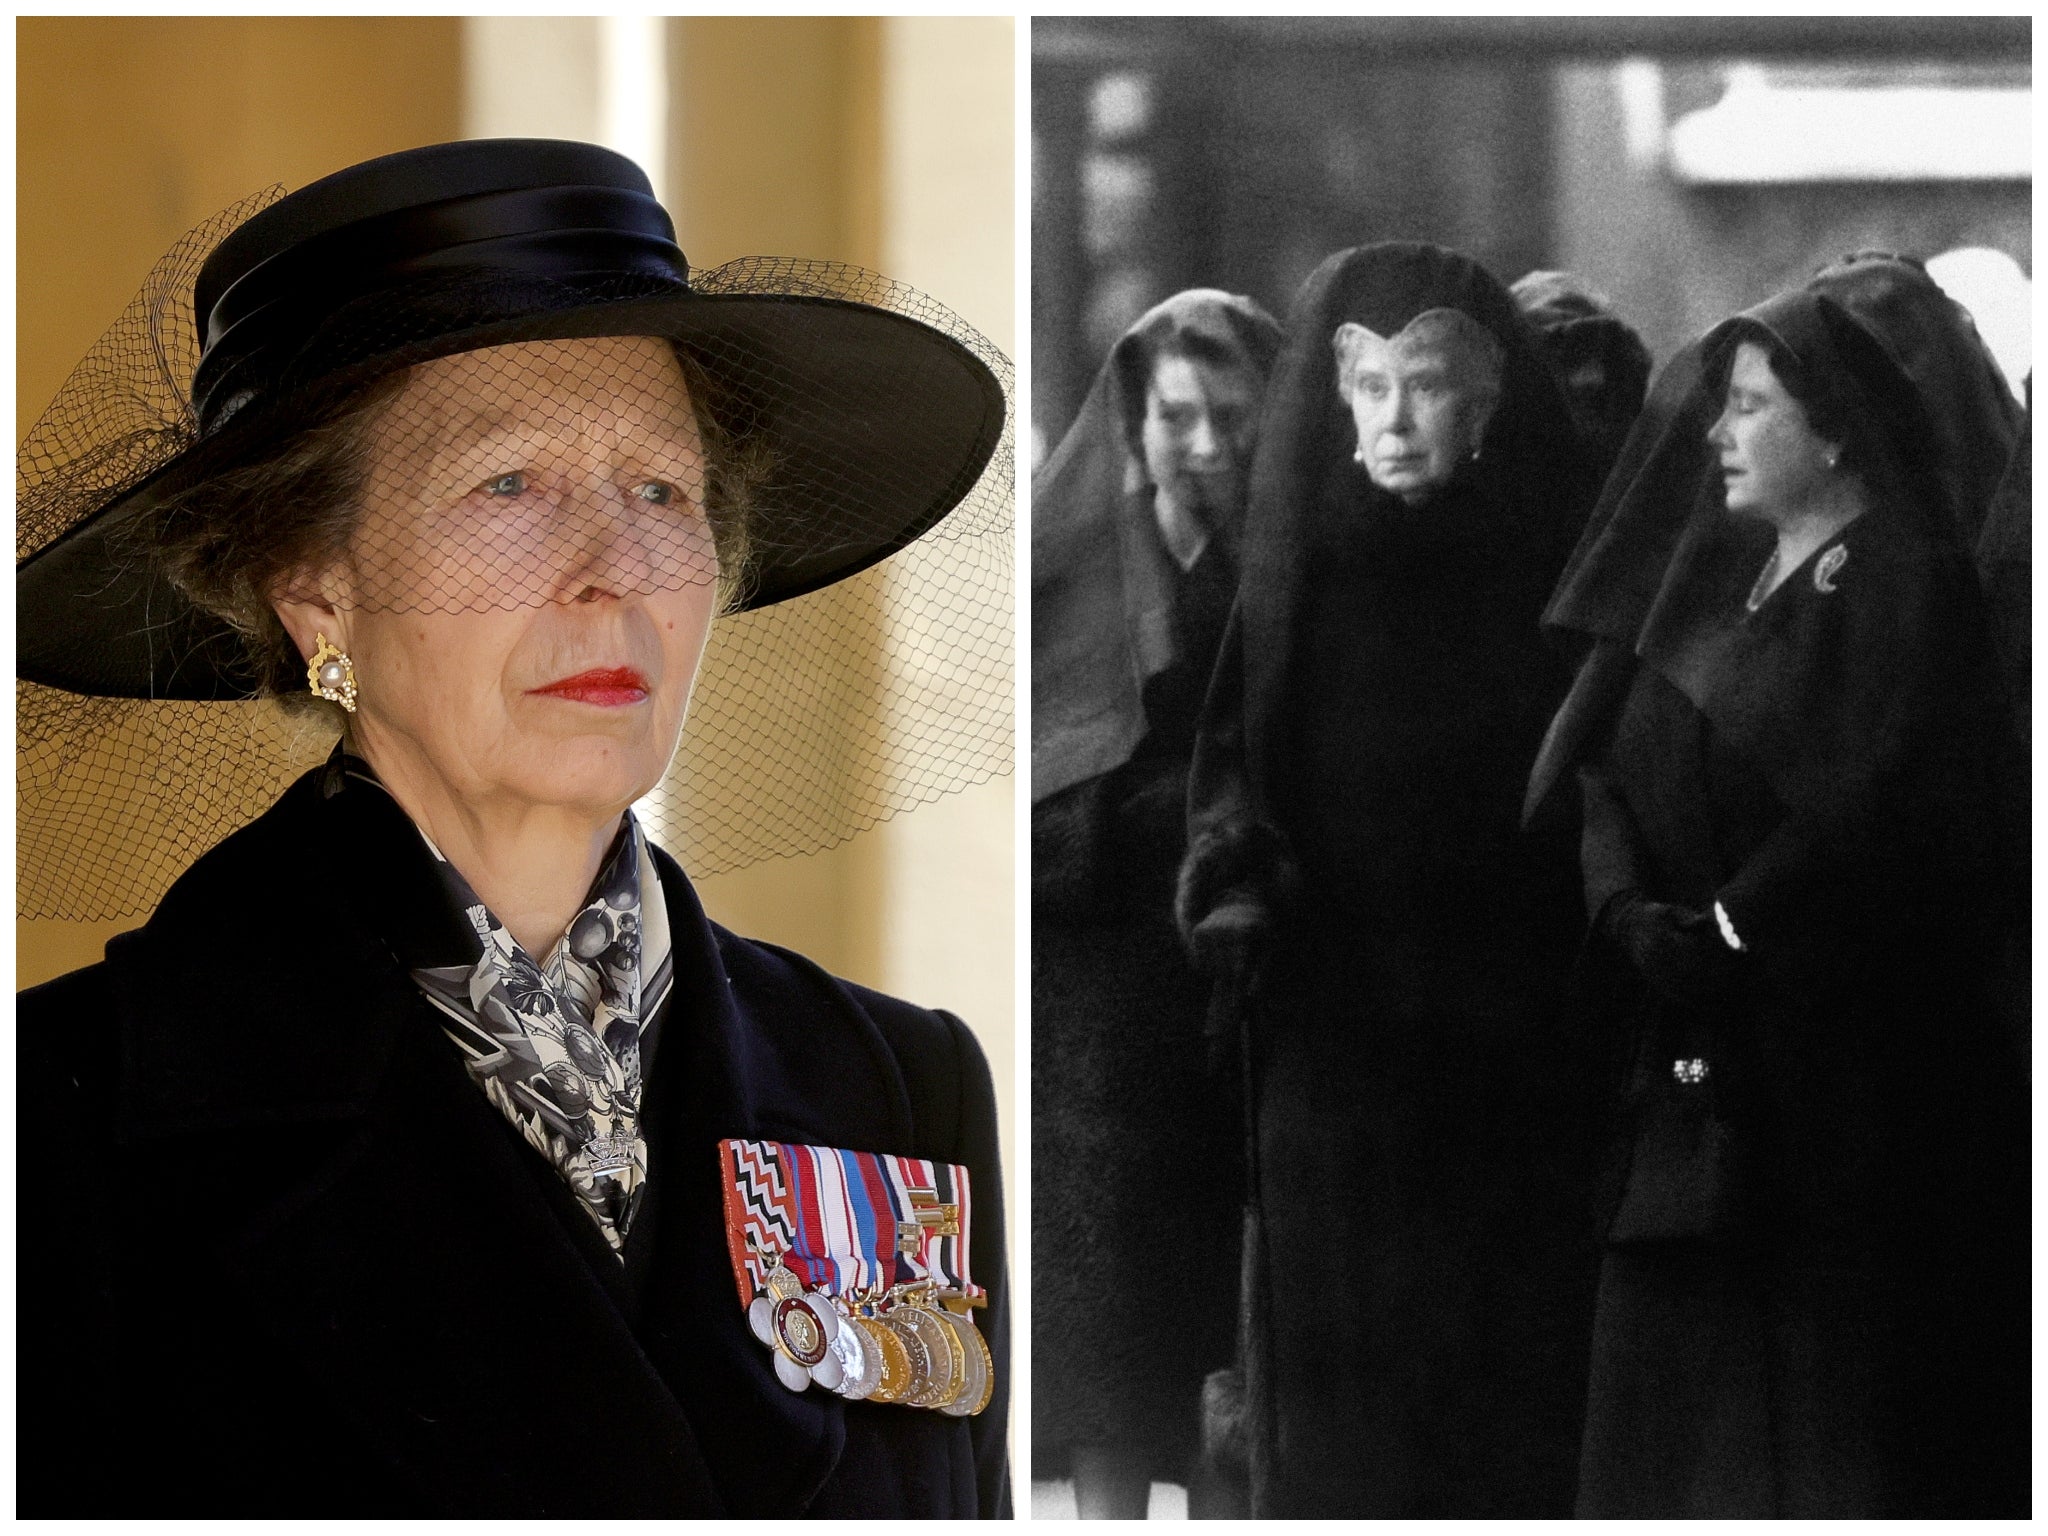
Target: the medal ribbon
(836, 1216)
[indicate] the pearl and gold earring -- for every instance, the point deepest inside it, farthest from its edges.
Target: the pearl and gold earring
(331, 674)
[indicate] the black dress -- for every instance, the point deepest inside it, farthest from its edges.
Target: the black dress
(281, 1256)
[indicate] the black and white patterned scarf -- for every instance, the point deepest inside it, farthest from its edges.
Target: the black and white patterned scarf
(558, 1045)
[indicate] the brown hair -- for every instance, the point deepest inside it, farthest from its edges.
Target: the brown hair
(230, 542)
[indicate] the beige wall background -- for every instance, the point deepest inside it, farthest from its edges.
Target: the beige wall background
(883, 142)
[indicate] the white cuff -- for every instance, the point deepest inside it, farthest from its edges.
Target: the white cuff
(1728, 934)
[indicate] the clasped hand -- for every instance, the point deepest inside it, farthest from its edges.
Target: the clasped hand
(1677, 950)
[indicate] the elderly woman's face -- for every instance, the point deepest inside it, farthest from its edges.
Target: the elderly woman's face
(533, 578)
(1419, 400)
(1772, 461)
(1201, 418)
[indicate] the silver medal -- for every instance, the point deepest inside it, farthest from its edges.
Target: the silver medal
(790, 1374)
(860, 1372)
(980, 1383)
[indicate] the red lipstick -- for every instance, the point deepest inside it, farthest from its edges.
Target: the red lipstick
(609, 686)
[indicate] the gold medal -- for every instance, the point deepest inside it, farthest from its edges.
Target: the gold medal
(891, 1356)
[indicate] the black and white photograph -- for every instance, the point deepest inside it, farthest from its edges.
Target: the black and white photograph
(1530, 557)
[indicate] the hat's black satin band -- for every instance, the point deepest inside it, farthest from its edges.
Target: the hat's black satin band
(366, 254)
(558, 233)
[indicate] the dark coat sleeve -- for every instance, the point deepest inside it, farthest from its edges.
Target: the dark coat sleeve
(1219, 786)
(1068, 833)
(1235, 854)
(1610, 848)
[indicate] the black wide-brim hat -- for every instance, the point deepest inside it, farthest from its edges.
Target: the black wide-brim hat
(874, 413)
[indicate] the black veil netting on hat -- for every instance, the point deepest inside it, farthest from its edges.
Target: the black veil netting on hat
(832, 452)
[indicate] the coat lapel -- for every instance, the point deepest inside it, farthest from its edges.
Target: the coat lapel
(427, 1279)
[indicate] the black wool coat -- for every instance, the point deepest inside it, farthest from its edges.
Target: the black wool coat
(281, 1256)
(1136, 1137)
(1829, 1233)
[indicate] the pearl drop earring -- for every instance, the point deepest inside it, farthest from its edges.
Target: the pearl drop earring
(331, 674)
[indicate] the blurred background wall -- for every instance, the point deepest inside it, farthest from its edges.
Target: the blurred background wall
(882, 142)
(1687, 167)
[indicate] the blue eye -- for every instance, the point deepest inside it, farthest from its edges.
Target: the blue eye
(512, 484)
(660, 492)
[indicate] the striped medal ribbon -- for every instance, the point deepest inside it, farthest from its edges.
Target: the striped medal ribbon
(852, 1268)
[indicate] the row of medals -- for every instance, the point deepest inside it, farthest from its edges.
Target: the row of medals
(901, 1346)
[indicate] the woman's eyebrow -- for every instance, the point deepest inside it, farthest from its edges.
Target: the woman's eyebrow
(460, 419)
(486, 430)
(447, 455)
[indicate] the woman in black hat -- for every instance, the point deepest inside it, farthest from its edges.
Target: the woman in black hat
(1414, 1330)
(1803, 846)
(428, 1151)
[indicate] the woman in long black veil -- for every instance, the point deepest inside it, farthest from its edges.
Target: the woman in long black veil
(1803, 844)
(1419, 1277)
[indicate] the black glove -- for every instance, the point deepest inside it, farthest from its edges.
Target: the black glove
(1237, 885)
(1230, 946)
(1678, 951)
